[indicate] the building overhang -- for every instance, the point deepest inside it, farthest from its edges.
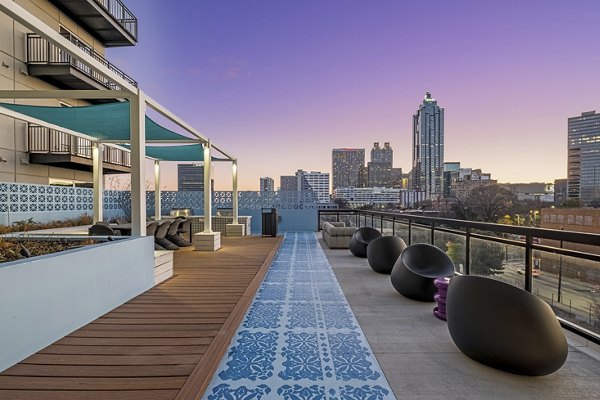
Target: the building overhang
(114, 25)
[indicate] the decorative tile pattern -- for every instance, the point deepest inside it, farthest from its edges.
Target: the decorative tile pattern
(252, 357)
(299, 339)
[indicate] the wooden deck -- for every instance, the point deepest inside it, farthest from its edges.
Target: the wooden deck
(163, 344)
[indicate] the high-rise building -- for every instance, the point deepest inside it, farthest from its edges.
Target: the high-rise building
(379, 169)
(190, 177)
(428, 148)
(449, 167)
(288, 182)
(318, 182)
(583, 162)
(383, 154)
(346, 167)
(267, 184)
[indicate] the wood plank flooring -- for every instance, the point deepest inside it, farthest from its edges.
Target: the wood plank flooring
(163, 344)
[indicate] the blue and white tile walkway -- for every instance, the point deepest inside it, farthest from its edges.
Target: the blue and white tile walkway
(299, 339)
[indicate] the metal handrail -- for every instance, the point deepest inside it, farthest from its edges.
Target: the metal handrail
(43, 140)
(121, 14)
(40, 51)
(485, 231)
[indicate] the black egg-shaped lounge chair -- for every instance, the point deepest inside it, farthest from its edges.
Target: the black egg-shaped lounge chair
(416, 269)
(361, 239)
(173, 233)
(101, 229)
(504, 327)
(160, 236)
(383, 252)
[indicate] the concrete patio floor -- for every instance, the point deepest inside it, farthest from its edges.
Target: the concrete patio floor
(420, 360)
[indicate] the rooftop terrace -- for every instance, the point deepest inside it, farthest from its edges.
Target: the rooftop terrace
(167, 342)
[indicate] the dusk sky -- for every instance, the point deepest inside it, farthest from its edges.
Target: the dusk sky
(279, 84)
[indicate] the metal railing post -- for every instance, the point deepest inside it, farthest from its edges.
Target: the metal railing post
(468, 252)
(528, 263)
(394, 226)
(381, 224)
(409, 232)
(432, 238)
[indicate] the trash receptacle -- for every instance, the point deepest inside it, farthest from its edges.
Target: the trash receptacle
(269, 222)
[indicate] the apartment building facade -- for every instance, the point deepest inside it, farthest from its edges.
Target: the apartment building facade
(34, 154)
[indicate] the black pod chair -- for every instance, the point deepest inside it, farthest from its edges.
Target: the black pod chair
(160, 236)
(416, 269)
(173, 233)
(383, 252)
(361, 239)
(504, 327)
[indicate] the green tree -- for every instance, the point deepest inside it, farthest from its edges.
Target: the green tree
(486, 256)
(488, 203)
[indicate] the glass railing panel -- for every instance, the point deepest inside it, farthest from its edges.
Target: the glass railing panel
(420, 235)
(387, 228)
(571, 286)
(454, 246)
(498, 261)
(401, 230)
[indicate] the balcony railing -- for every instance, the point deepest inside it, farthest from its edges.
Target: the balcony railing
(44, 140)
(560, 267)
(121, 14)
(40, 51)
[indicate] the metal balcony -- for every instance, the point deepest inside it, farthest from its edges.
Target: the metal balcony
(57, 67)
(60, 149)
(110, 21)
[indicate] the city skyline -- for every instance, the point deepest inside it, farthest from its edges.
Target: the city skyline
(281, 84)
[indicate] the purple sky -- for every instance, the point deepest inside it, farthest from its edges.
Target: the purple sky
(279, 84)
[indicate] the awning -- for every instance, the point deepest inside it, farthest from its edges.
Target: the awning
(106, 122)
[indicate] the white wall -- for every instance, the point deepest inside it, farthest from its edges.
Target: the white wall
(47, 297)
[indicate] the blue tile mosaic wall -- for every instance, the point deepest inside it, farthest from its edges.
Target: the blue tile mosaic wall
(299, 339)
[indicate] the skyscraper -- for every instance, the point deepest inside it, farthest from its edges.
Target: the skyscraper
(583, 162)
(379, 169)
(428, 148)
(346, 165)
(267, 184)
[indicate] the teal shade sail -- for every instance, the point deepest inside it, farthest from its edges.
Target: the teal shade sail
(109, 122)
(187, 152)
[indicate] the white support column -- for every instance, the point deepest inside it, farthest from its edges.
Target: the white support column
(98, 180)
(207, 190)
(157, 190)
(234, 199)
(235, 228)
(207, 240)
(138, 158)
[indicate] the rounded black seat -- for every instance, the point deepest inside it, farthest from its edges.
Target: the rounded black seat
(383, 252)
(504, 327)
(361, 239)
(416, 269)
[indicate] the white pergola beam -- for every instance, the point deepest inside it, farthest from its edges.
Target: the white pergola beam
(30, 21)
(65, 94)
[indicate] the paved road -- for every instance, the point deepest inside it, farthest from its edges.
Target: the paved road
(575, 293)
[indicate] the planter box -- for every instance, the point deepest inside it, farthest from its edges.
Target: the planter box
(163, 265)
(44, 298)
